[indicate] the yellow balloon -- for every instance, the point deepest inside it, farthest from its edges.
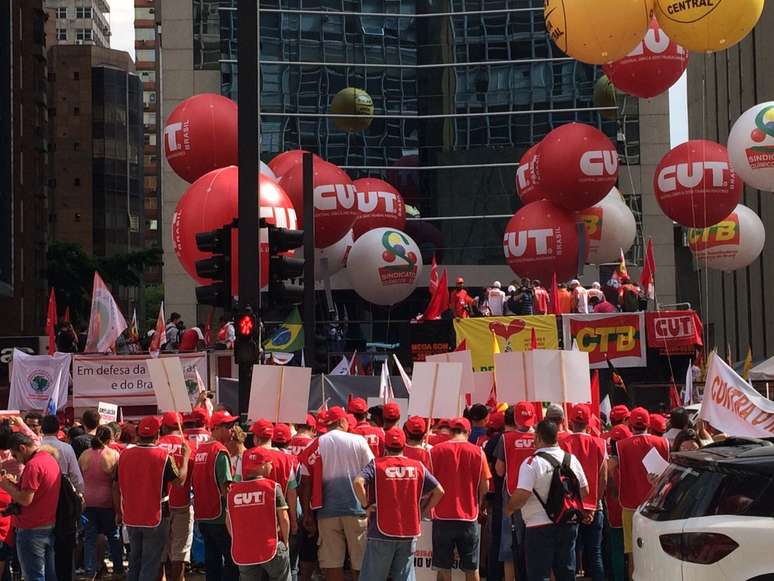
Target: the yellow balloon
(356, 102)
(597, 31)
(708, 25)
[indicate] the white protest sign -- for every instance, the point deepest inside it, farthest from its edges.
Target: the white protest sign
(279, 393)
(403, 404)
(468, 383)
(169, 384)
(543, 375)
(108, 412)
(654, 462)
(512, 370)
(732, 406)
(423, 557)
(435, 390)
(482, 386)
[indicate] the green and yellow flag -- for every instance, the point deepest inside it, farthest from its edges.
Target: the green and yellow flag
(289, 337)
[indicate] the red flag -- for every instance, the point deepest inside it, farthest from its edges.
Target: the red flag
(533, 340)
(555, 296)
(439, 303)
(595, 395)
(463, 346)
(491, 402)
(621, 272)
(160, 336)
(674, 399)
(208, 328)
(648, 275)
(433, 284)
(51, 323)
(67, 314)
(538, 405)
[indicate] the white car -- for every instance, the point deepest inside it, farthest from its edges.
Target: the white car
(710, 516)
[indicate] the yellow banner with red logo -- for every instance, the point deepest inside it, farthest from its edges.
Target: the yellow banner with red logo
(619, 337)
(511, 334)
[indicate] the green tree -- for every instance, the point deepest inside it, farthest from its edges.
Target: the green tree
(154, 294)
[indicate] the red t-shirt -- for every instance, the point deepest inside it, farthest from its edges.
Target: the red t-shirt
(41, 475)
(5, 521)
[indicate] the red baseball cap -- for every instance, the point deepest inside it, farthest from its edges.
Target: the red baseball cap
(496, 421)
(322, 422)
(357, 405)
(415, 426)
(171, 419)
(524, 414)
(281, 434)
(394, 438)
(262, 428)
(639, 418)
(443, 423)
(619, 413)
(222, 417)
(619, 432)
(460, 424)
(581, 413)
(254, 458)
(310, 421)
(658, 424)
(460, 280)
(391, 412)
(149, 427)
(335, 414)
(198, 414)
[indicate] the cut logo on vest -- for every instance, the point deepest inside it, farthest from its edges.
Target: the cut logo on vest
(255, 498)
(401, 472)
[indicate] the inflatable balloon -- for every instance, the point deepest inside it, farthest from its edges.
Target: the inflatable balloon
(651, 68)
(384, 265)
(287, 160)
(708, 25)
(379, 206)
(352, 101)
(334, 256)
(211, 202)
(335, 210)
(597, 31)
(751, 146)
(733, 243)
(542, 239)
(576, 166)
(695, 184)
(610, 228)
(527, 186)
(604, 97)
(201, 135)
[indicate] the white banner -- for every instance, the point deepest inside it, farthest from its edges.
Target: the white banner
(732, 406)
(124, 379)
(35, 377)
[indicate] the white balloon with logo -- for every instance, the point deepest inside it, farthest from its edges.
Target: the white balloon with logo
(732, 243)
(751, 146)
(610, 228)
(384, 265)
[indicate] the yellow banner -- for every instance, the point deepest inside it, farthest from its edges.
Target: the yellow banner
(511, 333)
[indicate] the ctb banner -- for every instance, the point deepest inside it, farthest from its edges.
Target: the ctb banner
(674, 331)
(511, 334)
(619, 337)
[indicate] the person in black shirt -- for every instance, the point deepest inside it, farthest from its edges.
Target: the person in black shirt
(67, 338)
(90, 421)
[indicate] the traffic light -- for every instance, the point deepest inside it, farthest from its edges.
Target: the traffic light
(283, 268)
(246, 343)
(217, 268)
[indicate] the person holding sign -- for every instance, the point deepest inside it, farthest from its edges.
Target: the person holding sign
(398, 484)
(257, 521)
(463, 472)
(144, 473)
(210, 481)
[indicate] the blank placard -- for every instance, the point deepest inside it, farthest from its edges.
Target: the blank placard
(463, 357)
(169, 384)
(435, 390)
(279, 394)
(482, 386)
(559, 376)
(512, 373)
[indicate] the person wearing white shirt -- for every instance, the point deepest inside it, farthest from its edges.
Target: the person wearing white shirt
(548, 546)
(496, 299)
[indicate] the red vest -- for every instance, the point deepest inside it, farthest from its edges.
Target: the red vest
(435, 439)
(252, 512)
(590, 452)
(281, 467)
(398, 485)
(419, 454)
(458, 465)
(634, 478)
(207, 505)
(373, 435)
(298, 444)
(179, 496)
(312, 462)
(518, 447)
(140, 479)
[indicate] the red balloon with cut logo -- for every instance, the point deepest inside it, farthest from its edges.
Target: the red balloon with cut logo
(201, 135)
(542, 239)
(576, 165)
(210, 203)
(379, 205)
(651, 68)
(335, 209)
(695, 184)
(527, 186)
(287, 160)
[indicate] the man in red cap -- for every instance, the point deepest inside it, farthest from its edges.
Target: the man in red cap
(634, 482)
(416, 449)
(374, 435)
(396, 485)
(327, 488)
(211, 478)
(304, 435)
(257, 521)
(441, 432)
(615, 539)
(195, 427)
(180, 540)
(591, 452)
(658, 425)
(144, 473)
(460, 301)
(464, 474)
(391, 415)
(619, 415)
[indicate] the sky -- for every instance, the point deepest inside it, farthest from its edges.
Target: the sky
(122, 25)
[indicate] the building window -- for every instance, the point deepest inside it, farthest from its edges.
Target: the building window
(76, 145)
(61, 34)
(83, 12)
(153, 224)
(83, 34)
(76, 110)
(76, 76)
(77, 182)
(61, 12)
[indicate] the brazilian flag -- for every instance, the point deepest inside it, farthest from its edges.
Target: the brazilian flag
(289, 337)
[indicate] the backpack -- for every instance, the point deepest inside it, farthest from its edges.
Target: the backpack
(564, 503)
(68, 508)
